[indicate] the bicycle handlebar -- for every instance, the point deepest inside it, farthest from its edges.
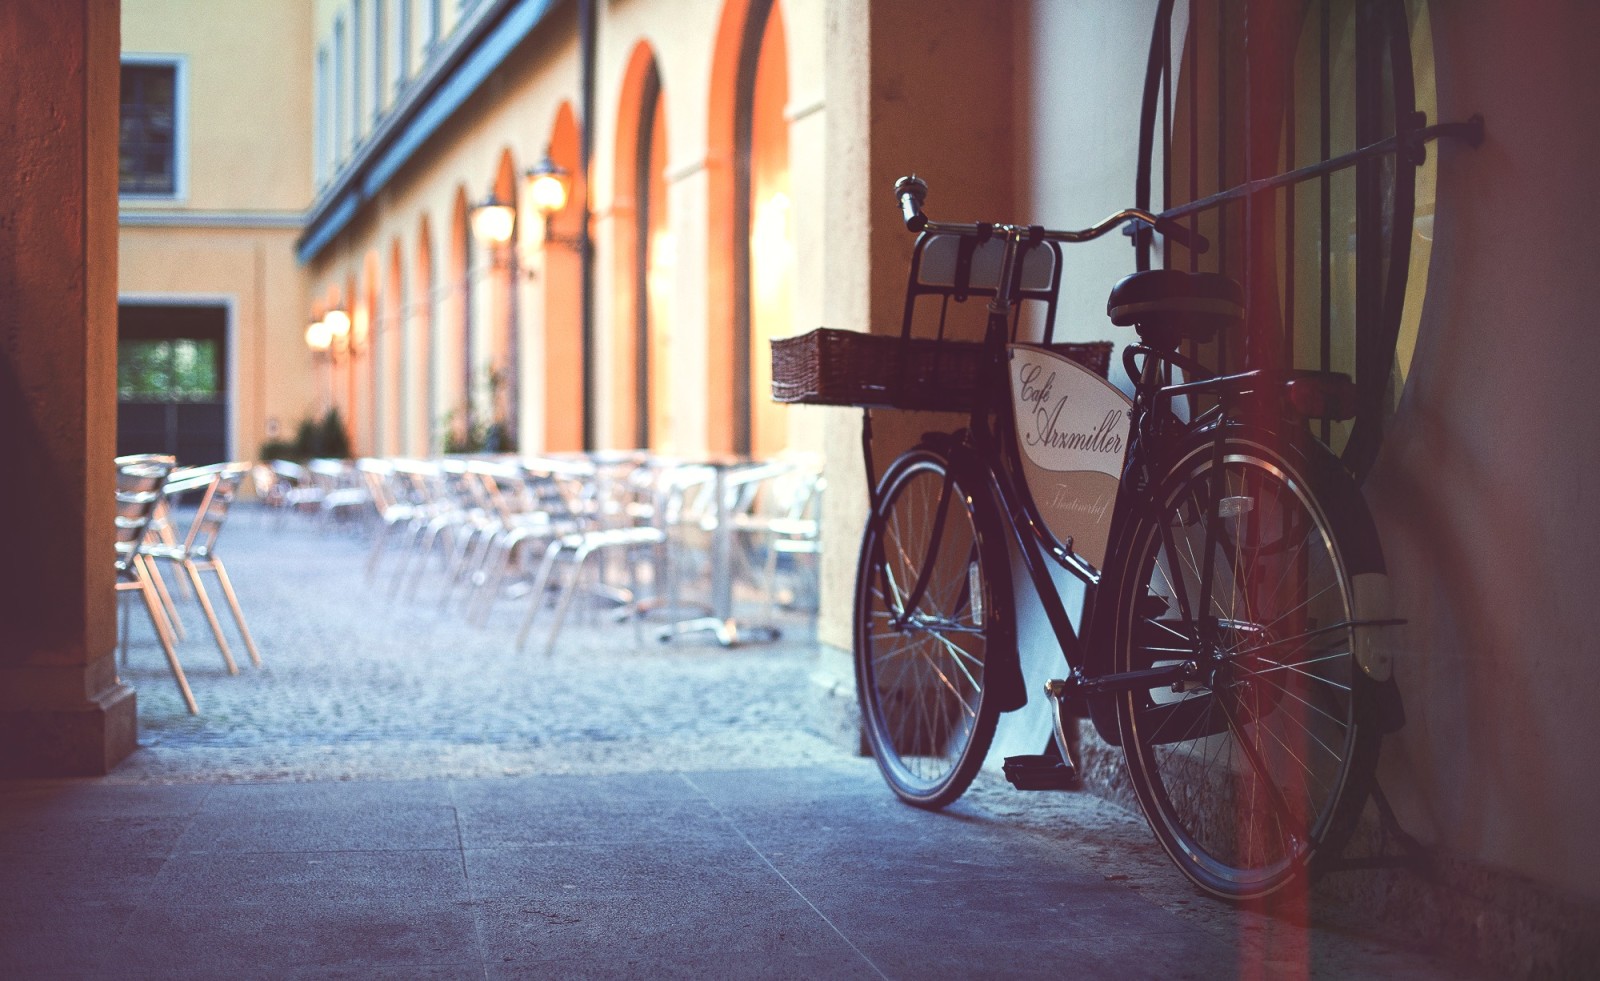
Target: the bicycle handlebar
(911, 191)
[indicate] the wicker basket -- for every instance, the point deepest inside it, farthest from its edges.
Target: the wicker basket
(843, 367)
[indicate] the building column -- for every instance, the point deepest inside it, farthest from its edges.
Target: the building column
(63, 710)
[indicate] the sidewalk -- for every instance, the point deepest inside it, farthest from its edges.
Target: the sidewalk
(395, 795)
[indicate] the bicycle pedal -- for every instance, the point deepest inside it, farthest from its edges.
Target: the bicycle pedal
(1041, 773)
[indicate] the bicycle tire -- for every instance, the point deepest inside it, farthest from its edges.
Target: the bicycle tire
(1252, 772)
(925, 687)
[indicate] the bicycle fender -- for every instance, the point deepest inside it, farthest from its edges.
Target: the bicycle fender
(1369, 579)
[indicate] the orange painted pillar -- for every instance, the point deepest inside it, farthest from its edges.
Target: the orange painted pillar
(63, 710)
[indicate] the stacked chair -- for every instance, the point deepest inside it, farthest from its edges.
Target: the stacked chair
(469, 533)
(147, 486)
(613, 516)
(141, 481)
(197, 552)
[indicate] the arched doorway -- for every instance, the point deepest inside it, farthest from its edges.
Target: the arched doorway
(642, 401)
(390, 344)
(502, 320)
(770, 237)
(751, 285)
(349, 366)
(563, 367)
(422, 399)
(364, 364)
(457, 354)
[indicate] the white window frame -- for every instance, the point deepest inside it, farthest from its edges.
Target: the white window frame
(400, 68)
(380, 38)
(341, 144)
(231, 338)
(180, 125)
(321, 120)
(434, 9)
(357, 79)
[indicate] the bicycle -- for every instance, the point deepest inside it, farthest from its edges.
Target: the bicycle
(1233, 576)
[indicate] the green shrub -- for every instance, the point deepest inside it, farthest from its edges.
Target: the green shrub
(325, 437)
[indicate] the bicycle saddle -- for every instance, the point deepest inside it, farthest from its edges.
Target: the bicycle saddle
(1170, 305)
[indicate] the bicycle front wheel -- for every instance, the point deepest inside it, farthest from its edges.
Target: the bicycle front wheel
(1254, 765)
(932, 590)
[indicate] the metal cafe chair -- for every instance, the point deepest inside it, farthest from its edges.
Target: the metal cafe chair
(278, 484)
(139, 490)
(435, 508)
(397, 503)
(456, 519)
(531, 500)
(291, 489)
(479, 525)
(687, 513)
(342, 498)
(610, 528)
(197, 552)
(783, 519)
(160, 532)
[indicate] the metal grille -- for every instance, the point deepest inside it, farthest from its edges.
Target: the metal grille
(148, 138)
(1279, 129)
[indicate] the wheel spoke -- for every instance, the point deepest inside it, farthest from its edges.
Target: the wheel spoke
(1252, 756)
(944, 680)
(1298, 667)
(1342, 723)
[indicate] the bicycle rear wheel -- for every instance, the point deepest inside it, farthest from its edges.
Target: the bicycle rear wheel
(922, 663)
(1254, 767)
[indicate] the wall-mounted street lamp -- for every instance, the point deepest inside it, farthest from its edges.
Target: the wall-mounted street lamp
(329, 338)
(318, 337)
(494, 221)
(330, 334)
(547, 185)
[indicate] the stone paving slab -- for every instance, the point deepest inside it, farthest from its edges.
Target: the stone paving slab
(686, 874)
(396, 794)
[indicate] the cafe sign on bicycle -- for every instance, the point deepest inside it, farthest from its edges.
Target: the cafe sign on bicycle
(1072, 427)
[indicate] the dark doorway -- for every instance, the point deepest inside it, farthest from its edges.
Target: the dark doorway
(172, 381)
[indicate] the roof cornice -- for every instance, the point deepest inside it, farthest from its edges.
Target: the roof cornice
(428, 101)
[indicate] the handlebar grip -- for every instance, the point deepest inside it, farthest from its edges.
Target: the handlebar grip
(911, 192)
(1183, 236)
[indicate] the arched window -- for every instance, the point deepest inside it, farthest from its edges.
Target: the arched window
(561, 331)
(393, 327)
(768, 236)
(749, 277)
(458, 351)
(424, 401)
(366, 429)
(503, 313)
(643, 409)
(1282, 131)
(652, 259)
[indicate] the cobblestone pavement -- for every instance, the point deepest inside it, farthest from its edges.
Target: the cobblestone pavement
(357, 684)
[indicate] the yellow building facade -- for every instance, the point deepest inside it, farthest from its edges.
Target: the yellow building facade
(208, 256)
(660, 342)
